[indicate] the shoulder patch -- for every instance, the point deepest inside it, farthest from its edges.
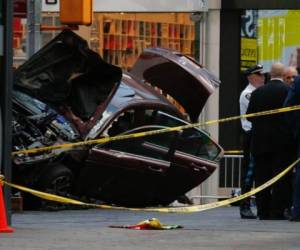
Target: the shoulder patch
(248, 96)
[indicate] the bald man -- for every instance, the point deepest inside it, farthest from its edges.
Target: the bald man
(289, 75)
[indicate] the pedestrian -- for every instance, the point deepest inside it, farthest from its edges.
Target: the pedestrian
(272, 146)
(293, 118)
(289, 75)
(255, 79)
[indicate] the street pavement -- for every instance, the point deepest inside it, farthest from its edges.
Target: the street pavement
(89, 229)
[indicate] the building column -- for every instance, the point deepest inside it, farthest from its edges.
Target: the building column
(209, 57)
(211, 185)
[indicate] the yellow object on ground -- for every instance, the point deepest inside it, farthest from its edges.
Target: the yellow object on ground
(150, 224)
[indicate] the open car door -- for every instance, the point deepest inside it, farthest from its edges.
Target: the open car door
(131, 172)
(177, 75)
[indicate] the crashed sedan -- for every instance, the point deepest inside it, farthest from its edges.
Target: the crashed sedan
(66, 93)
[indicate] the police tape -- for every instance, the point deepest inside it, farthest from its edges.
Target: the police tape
(233, 152)
(184, 209)
(153, 132)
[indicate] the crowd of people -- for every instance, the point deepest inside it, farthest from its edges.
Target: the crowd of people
(271, 143)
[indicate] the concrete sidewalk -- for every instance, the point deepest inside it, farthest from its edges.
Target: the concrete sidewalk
(220, 228)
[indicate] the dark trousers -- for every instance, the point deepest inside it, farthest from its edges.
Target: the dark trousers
(296, 191)
(246, 170)
(272, 201)
(296, 194)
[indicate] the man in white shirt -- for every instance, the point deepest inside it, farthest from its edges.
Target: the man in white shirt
(255, 79)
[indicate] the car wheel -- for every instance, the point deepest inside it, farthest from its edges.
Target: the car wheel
(57, 180)
(54, 179)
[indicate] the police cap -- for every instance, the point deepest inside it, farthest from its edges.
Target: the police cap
(254, 70)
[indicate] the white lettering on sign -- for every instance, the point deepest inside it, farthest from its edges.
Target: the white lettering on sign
(249, 23)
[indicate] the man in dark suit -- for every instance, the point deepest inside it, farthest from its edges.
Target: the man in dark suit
(293, 119)
(272, 147)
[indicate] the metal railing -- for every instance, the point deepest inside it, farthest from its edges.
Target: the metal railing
(230, 171)
(229, 180)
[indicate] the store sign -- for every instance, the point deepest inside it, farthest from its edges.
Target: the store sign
(249, 39)
(141, 6)
(20, 8)
(249, 24)
(279, 37)
(248, 52)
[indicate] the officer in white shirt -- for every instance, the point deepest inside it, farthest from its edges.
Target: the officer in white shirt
(255, 79)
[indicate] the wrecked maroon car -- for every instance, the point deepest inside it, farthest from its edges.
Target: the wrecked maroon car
(66, 93)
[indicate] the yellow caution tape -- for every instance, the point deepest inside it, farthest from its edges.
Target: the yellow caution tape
(233, 152)
(1, 180)
(154, 132)
(185, 209)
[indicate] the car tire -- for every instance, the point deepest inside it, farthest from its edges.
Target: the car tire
(54, 179)
(57, 179)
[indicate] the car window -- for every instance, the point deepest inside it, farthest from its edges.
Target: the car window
(196, 143)
(123, 123)
(155, 146)
(163, 140)
(163, 119)
(191, 141)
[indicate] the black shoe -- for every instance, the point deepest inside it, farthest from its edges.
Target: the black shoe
(277, 217)
(272, 217)
(185, 200)
(294, 218)
(287, 213)
(264, 217)
(246, 213)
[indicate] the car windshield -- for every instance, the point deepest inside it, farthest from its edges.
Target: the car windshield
(123, 94)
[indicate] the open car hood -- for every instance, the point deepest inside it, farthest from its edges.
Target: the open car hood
(66, 72)
(178, 76)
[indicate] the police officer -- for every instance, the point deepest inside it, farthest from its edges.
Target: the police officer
(255, 79)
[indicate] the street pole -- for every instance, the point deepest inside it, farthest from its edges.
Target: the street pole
(33, 26)
(1, 73)
(5, 95)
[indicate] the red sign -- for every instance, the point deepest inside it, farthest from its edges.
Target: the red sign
(20, 8)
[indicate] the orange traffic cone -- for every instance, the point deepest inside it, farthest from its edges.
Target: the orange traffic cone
(4, 228)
